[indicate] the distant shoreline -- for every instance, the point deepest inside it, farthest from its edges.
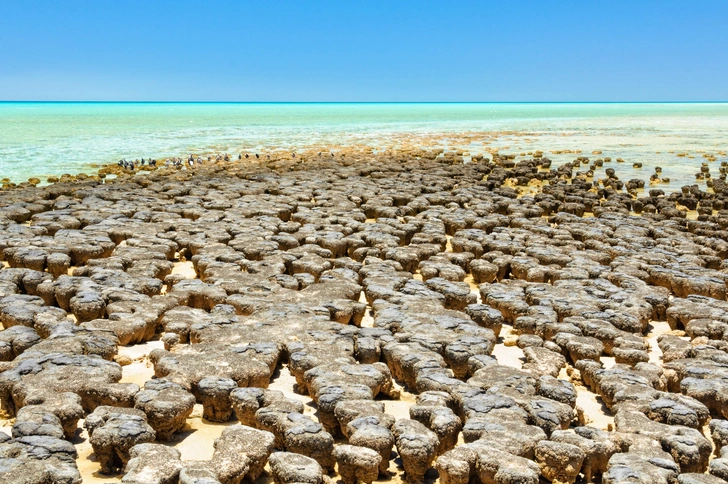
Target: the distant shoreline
(357, 102)
(53, 138)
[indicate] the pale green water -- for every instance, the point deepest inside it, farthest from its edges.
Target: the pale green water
(40, 139)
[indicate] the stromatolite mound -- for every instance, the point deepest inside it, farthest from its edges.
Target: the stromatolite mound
(113, 432)
(470, 313)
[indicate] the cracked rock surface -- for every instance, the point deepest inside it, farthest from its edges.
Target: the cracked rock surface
(364, 317)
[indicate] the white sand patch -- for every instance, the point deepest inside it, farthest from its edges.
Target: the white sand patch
(87, 464)
(368, 320)
(186, 268)
(608, 361)
(506, 351)
(140, 351)
(6, 426)
(285, 383)
(139, 373)
(654, 330)
(596, 413)
(473, 287)
(400, 408)
(141, 369)
(195, 441)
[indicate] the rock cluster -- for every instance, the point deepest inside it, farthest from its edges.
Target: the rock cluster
(365, 275)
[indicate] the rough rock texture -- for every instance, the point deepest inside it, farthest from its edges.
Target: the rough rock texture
(535, 325)
(197, 472)
(166, 405)
(214, 394)
(288, 468)
(357, 464)
(38, 460)
(416, 445)
(153, 464)
(241, 452)
(113, 432)
(560, 462)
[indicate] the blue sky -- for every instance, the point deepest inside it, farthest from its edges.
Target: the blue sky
(211, 50)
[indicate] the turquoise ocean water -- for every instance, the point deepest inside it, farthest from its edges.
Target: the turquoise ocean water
(41, 139)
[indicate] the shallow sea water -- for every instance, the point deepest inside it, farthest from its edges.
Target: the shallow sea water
(42, 139)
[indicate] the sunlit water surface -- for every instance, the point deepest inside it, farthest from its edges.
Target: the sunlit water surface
(42, 139)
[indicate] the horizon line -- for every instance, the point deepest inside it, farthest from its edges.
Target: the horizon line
(354, 102)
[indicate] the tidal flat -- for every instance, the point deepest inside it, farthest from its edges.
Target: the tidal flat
(419, 314)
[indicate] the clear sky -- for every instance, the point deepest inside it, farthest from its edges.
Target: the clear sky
(345, 50)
